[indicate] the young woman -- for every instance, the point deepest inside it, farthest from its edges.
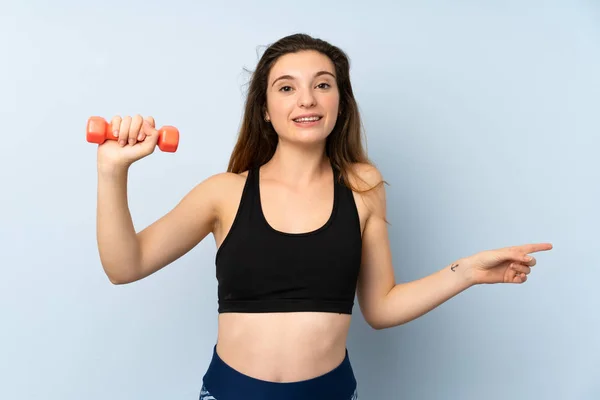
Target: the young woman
(299, 221)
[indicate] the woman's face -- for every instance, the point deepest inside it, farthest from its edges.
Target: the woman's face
(303, 84)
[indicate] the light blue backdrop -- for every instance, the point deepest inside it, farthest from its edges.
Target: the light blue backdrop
(484, 117)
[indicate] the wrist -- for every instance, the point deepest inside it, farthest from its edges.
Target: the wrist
(112, 171)
(464, 270)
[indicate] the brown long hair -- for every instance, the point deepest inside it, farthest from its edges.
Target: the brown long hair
(257, 139)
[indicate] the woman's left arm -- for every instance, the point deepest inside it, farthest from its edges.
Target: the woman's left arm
(385, 304)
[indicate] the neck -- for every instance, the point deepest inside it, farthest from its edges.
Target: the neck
(296, 164)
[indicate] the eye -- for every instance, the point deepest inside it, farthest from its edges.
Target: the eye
(324, 83)
(283, 87)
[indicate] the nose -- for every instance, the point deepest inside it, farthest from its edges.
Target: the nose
(306, 98)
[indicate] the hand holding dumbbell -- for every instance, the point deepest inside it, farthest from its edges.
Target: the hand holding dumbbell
(128, 139)
(98, 131)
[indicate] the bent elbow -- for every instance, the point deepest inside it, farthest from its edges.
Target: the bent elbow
(374, 322)
(118, 280)
(116, 276)
(377, 325)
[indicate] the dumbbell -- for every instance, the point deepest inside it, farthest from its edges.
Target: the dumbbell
(98, 131)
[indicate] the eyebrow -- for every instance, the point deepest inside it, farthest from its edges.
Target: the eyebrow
(292, 78)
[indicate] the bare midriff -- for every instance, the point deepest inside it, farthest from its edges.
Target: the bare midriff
(283, 347)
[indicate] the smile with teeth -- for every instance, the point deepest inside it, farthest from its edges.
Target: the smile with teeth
(307, 119)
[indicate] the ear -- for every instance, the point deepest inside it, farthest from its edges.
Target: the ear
(267, 117)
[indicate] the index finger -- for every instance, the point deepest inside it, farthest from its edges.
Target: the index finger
(148, 127)
(535, 247)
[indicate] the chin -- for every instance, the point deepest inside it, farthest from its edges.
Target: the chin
(307, 137)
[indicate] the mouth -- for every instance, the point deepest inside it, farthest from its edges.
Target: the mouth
(308, 119)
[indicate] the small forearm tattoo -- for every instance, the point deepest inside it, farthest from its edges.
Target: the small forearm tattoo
(453, 267)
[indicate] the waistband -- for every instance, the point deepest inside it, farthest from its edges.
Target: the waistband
(225, 383)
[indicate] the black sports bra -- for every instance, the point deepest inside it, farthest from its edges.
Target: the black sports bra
(260, 269)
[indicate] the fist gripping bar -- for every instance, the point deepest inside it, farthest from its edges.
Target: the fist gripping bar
(98, 131)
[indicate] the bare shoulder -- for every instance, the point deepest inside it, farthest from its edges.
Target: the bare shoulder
(366, 176)
(225, 179)
(221, 186)
(368, 186)
(226, 189)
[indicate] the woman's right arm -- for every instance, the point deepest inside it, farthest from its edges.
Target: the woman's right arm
(127, 256)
